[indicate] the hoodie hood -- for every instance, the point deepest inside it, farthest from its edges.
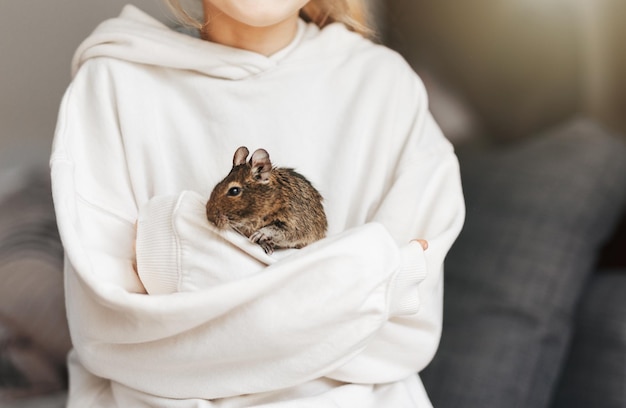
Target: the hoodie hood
(137, 37)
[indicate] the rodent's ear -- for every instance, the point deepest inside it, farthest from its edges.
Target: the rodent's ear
(261, 165)
(240, 156)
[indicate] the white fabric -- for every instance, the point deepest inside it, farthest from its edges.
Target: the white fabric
(150, 124)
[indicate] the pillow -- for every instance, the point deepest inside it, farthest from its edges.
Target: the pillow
(34, 337)
(538, 213)
(595, 373)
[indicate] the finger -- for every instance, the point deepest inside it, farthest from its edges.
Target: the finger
(422, 242)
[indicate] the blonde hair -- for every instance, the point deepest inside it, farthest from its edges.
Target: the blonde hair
(352, 13)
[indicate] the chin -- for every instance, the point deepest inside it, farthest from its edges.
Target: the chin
(260, 13)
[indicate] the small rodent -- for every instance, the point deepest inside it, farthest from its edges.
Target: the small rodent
(274, 207)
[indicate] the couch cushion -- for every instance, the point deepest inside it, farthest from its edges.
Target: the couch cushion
(595, 372)
(537, 215)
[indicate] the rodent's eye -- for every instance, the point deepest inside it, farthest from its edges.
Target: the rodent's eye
(234, 191)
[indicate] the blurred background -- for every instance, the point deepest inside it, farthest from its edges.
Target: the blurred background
(37, 41)
(514, 65)
(518, 65)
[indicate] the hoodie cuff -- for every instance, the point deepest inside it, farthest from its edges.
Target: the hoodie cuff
(404, 290)
(157, 246)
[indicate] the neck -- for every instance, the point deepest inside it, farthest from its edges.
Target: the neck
(265, 40)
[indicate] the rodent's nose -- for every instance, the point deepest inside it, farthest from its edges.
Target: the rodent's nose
(216, 217)
(221, 221)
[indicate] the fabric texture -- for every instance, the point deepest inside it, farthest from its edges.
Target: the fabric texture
(34, 337)
(538, 214)
(595, 372)
(150, 124)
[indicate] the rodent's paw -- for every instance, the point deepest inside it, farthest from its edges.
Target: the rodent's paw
(263, 240)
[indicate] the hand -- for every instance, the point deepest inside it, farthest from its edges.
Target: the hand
(422, 242)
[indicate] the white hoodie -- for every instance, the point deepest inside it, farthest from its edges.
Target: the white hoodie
(150, 124)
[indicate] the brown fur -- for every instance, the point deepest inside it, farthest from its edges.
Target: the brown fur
(274, 207)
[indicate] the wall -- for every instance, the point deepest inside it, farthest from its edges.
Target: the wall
(607, 95)
(37, 40)
(520, 65)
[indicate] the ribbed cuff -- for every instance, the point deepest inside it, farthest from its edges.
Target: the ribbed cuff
(412, 270)
(157, 246)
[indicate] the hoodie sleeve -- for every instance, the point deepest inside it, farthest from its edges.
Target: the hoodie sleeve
(392, 293)
(303, 315)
